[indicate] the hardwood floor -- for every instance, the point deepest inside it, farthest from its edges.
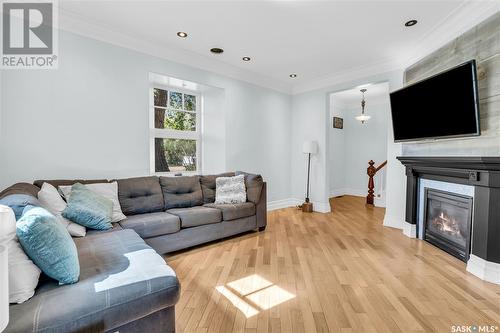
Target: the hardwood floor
(337, 272)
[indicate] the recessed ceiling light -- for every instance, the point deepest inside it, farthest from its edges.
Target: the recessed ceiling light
(410, 23)
(246, 58)
(182, 34)
(293, 76)
(216, 50)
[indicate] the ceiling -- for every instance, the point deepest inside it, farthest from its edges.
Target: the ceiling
(314, 39)
(375, 94)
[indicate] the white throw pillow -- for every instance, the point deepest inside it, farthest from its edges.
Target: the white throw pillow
(230, 190)
(107, 190)
(51, 200)
(23, 273)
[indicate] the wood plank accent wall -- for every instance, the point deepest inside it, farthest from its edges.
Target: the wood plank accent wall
(483, 44)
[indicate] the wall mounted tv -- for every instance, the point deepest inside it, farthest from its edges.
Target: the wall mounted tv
(445, 105)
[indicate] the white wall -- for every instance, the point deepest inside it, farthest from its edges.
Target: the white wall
(310, 122)
(89, 118)
(310, 113)
(356, 145)
(336, 154)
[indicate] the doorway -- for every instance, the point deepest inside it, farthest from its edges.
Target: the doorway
(357, 137)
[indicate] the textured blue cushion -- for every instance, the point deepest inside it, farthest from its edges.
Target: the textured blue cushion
(88, 208)
(18, 202)
(48, 244)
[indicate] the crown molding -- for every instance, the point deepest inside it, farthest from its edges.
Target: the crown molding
(346, 76)
(72, 22)
(463, 18)
(458, 22)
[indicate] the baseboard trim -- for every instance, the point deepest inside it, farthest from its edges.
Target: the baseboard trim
(322, 207)
(410, 230)
(283, 203)
(483, 269)
(379, 202)
(392, 222)
(337, 192)
(319, 207)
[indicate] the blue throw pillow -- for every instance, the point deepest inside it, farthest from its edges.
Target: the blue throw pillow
(18, 202)
(88, 208)
(48, 244)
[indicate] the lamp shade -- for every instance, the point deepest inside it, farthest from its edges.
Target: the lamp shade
(310, 147)
(362, 118)
(7, 232)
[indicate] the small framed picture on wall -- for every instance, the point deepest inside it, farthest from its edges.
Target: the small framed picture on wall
(338, 122)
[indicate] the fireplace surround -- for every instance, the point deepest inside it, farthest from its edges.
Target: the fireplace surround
(483, 174)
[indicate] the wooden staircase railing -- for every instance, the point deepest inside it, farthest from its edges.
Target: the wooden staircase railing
(371, 171)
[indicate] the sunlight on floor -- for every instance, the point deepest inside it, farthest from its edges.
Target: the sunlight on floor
(249, 284)
(240, 304)
(270, 297)
(252, 293)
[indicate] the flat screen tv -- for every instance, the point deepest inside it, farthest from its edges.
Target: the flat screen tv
(445, 105)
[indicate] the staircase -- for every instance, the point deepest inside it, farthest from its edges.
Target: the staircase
(376, 195)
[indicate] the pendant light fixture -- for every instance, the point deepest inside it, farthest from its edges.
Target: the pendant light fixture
(363, 117)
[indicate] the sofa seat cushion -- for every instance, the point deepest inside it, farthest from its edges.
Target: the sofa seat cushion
(140, 195)
(121, 280)
(234, 211)
(195, 216)
(152, 224)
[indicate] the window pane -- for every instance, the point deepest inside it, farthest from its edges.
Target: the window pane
(160, 97)
(181, 121)
(175, 120)
(189, 102)
(159, 118)
(175, 155)
(176, 100)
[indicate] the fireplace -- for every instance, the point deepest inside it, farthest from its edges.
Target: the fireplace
(447, 221)
(477, 177)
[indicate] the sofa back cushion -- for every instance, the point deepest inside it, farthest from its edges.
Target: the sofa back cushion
(181, 192)
(67, 182)
(18, 196)
(140, 195)
(208, 186)
(254, 184)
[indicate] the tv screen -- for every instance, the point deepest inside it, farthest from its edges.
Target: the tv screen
(443, 106)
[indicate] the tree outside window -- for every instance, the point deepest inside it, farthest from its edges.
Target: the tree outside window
(176, 130)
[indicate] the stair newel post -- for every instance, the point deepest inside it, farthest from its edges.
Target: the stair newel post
(370, 171)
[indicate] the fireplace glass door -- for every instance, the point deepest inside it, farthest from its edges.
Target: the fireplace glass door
(448, 222)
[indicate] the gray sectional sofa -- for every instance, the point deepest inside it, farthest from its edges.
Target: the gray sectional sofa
(124, 283)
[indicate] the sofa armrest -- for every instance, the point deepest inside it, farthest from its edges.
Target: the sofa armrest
(261, 208)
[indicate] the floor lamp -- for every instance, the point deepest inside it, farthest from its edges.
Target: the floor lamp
(309, 148)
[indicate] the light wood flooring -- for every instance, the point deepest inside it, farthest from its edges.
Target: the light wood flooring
(336, 272)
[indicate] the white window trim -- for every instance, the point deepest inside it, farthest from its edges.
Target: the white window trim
(174, 134)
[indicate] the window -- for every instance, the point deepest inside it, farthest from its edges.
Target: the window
(175, 130)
